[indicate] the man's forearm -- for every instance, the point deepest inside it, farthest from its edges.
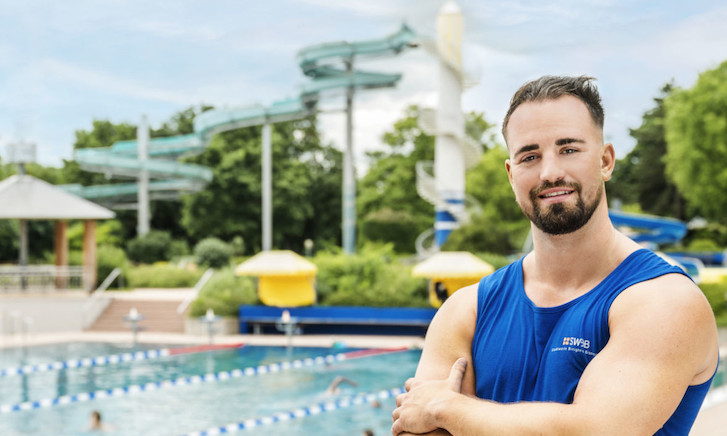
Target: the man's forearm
(464, 415)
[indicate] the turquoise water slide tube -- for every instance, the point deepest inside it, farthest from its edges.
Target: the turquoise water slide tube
(328, 65)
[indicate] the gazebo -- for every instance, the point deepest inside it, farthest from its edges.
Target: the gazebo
(24, 197)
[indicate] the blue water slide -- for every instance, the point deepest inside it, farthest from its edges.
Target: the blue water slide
(650, 228)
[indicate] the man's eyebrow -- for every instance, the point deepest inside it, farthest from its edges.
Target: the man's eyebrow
(566, 141)
(527, 148)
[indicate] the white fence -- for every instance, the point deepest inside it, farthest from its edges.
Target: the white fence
(40, 278)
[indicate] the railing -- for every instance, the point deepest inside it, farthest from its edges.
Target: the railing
(41, 278)
(92, 302)
(198, 287)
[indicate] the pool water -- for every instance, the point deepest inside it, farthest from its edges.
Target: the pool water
(185, 409)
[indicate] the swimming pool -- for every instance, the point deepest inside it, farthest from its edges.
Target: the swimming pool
(174, 396)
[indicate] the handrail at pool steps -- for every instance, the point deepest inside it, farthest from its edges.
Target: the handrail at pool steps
(88, 320)
(352, 319)
(198, 287)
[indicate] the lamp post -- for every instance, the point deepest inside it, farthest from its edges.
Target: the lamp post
(134, 318)
(287, 324)
(210, 319)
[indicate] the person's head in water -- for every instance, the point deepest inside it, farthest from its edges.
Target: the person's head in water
(558, 160)
(96, 420)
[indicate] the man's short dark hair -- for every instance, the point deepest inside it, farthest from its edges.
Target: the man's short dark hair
(552, 87)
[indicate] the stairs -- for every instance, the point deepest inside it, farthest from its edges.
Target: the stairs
(159, 316)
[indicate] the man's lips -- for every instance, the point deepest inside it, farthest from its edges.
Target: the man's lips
(555, 193)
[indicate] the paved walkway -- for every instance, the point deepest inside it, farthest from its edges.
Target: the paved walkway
(353, 341)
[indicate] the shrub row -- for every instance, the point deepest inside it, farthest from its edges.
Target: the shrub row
(715, 293)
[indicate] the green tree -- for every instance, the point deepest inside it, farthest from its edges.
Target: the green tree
(500, 226)
(306, 188)
(696, 134)
(640, 177)
(387, 195)
(389, 207)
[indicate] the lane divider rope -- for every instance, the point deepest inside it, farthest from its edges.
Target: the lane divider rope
(191, 380)
(328, 406)
(110, 359)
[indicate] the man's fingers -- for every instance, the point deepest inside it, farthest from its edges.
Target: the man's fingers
(456, 374)
(400, 399)
(408, 385)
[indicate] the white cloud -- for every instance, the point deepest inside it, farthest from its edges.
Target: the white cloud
(177, 30)
(697, 43)
(357, 7)
(108, 83)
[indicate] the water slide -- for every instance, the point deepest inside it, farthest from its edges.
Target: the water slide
(330, 66)
(655, 230)
(650, 229)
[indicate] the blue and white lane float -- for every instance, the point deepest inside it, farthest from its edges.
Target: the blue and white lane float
(192, 380)
(110, 360)
(315, 409)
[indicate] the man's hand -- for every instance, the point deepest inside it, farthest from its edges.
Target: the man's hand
(416, 409)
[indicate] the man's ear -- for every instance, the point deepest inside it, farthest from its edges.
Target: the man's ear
(508, 168)
(608, 161)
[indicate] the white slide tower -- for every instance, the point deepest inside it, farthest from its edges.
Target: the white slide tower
(454, 152)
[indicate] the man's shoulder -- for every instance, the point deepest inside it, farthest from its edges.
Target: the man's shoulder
(671, 312)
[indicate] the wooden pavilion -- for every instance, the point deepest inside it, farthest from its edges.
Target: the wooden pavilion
(24, 197)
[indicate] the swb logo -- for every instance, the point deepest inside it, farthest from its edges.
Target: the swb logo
(577, 342)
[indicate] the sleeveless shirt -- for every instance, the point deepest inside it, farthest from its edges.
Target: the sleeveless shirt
(522, 352)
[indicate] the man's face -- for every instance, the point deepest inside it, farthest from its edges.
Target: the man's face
(557, 164)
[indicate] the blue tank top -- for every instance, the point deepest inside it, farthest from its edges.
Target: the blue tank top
(522, 352)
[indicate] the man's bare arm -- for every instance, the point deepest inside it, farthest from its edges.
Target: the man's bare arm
(450, 337)
(663, 339)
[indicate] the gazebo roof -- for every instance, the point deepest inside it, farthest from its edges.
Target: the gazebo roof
(26, 197)
(276, 263)
(453, 264)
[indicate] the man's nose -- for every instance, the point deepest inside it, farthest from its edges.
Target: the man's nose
(551, 169)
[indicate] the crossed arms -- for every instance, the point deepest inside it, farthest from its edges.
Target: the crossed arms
(663, 339)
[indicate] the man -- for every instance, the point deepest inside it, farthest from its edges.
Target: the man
(588, 334)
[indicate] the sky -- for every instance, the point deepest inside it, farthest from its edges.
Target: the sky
(65, 64)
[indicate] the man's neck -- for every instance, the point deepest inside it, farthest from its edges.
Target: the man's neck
(563, 267)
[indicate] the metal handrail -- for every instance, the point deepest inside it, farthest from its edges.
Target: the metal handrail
(198, 287)
(106, 283)
(97, 292)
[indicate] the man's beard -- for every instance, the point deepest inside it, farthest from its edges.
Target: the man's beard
(558, 218)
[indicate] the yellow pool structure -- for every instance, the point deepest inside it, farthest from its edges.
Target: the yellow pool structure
(449, 271)
(285, 279)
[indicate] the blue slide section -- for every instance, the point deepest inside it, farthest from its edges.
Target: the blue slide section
(653, 229)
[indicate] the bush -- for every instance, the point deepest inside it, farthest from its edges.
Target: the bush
(150, 248)
(178, 248)
(703, 245)
(238, 246)
(370, 278)
(109, 257)
(161, 276)
(224, 293)
(212, 252)
(715, 293)
(395, 226)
